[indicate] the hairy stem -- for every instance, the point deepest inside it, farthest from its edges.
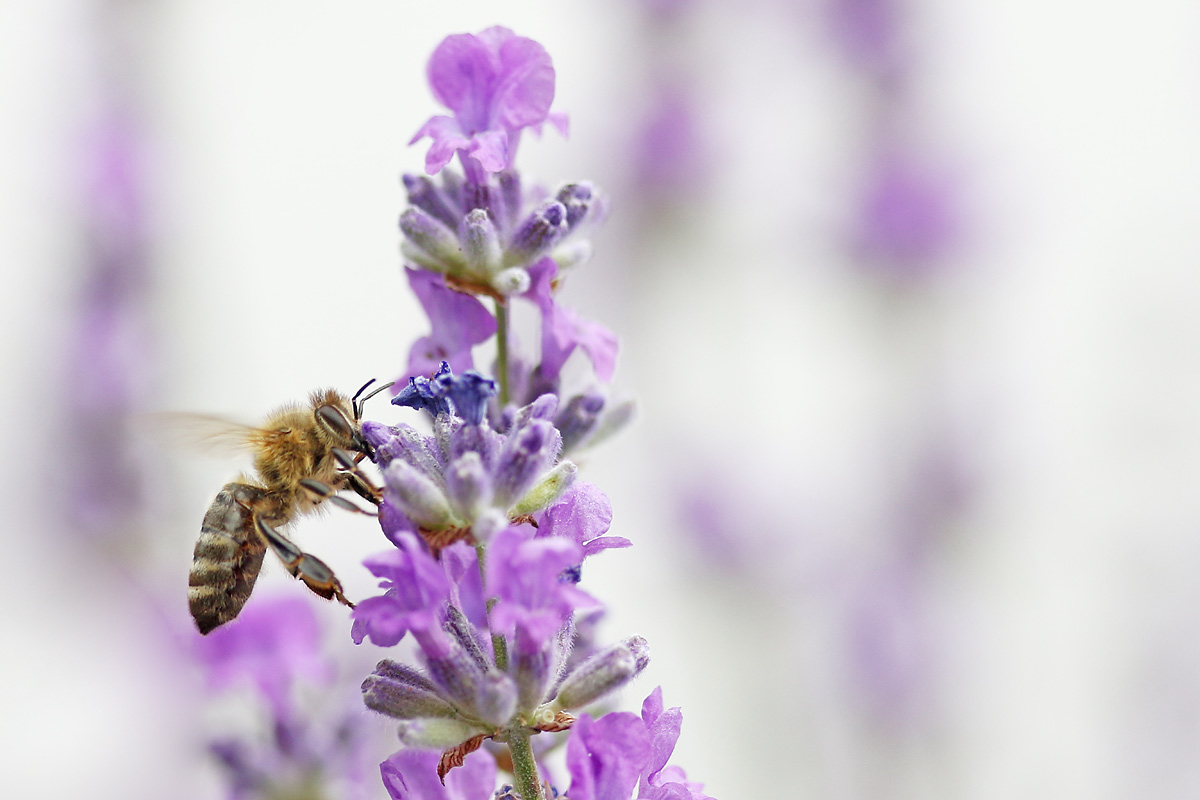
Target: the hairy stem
(525, 773)
(502, 350)
(499, 645)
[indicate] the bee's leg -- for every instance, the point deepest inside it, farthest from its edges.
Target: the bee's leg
(355, 478)
(315, 573)
(324, 491)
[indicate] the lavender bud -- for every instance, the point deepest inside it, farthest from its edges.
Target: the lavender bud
(511, 281)
(603, 674)
(481, 244)
(395, 671)
(613, 421)
(469, 486)
(510, 198)
(488, 524)
(573, 254)
(432, 238)
(436, 734)
(477, 197)
(577, 199)
(459, 677)
(480, 439)
(379, 436)
(576, 421)
(541, 408)
(416, 496)
(537, 234)
(497, 698)
(424, 194)
(458, 626)
(402, 700)
(528, 453)
(547, 490)
(444, 428)
(406, 444)
(533, 673)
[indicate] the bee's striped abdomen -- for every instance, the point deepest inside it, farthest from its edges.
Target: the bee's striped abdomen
(227, 558)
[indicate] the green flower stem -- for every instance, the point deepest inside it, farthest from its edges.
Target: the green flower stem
(526, 780)
(502, 350)
(499, 645)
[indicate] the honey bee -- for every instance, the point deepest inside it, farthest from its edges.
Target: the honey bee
(303, 455)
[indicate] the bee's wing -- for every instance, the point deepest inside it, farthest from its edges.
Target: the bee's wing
(207, 433)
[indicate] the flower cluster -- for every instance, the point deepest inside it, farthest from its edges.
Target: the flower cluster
(489, 521)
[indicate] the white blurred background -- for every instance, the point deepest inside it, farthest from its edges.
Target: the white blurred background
(913, 502)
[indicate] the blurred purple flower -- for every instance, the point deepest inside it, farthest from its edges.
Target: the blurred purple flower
(870, 32)
(109, 345)
(563, 330)
(272, 642)
(907, 213)
(668, 149)
(458, 321)
(497, 84)
(416, 592)
(533, 599)
(412, 775)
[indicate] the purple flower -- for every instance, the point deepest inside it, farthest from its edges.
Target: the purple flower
(459, 322)
(412, 775)
(606, 756)
(464, 395)
(273, 642)
(497, 84)
(660, 781)
(526, 576)
(416, 591)
(583, 515)
(563, 330)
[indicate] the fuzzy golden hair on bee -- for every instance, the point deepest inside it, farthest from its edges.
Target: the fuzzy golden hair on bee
(303, 455)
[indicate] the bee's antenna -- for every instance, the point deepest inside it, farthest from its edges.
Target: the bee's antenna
(359, 404)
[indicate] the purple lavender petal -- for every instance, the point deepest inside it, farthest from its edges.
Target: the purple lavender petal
(664, 728)
(605, 757)
(459, 322)
(417, 588)
(532, 600)
(412, 775)
(563, 330)
(583, 515)
(496, 83)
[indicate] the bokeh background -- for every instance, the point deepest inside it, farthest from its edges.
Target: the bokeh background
(907, 292)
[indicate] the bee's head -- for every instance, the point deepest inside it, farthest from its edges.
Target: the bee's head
(335, 420)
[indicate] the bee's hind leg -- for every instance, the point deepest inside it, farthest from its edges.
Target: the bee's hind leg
(314, 572)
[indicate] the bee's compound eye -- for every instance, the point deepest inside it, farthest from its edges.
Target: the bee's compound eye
(335, 420)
